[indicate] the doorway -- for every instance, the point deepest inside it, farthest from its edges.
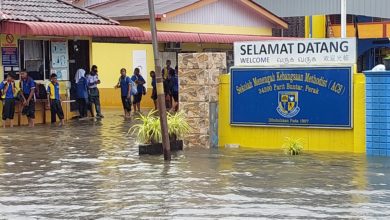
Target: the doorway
(78, 58)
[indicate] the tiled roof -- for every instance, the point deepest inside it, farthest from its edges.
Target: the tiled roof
(136, 9)
(49, 11)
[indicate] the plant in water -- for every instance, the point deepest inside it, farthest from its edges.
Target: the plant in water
(177, 125)
(148, 130)
(293, 146)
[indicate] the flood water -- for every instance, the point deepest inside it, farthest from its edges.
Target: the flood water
(91, 170)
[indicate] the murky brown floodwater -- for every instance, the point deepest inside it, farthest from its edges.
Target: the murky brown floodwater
(91, 170)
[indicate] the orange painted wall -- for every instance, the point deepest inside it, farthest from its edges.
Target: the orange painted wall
(374, 30)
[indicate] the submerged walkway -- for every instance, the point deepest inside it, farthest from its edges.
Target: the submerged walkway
(91, 170)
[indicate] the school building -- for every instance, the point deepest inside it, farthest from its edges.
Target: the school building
(367, 21)
(52, 36)
(183, 27)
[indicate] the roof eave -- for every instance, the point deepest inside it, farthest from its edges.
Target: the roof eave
(268, 14)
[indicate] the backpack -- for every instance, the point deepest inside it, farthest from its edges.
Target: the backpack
(134, 90)
(40, 91)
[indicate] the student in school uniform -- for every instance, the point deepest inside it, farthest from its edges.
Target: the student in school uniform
(27, 86)
(166, 72)
(139, 82)
(53, 96)
(154, 90)
(9, 92)
(174, 91)
(82, 93)
(94, 96)
(124, 84)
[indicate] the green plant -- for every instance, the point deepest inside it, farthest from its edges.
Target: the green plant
(148, 131)
(177, 125)
(293, 146)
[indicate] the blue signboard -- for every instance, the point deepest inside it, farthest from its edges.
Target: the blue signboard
(9, 56)
(302, 97)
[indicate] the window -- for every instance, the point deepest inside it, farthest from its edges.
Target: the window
(35, 58)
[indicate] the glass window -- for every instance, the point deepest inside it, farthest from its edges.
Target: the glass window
(35, 58)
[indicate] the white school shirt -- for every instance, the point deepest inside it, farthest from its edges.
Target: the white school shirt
(92, 79)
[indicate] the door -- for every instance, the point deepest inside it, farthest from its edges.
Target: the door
(78, 58)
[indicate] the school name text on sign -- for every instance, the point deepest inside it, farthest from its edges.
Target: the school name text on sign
(296, 52)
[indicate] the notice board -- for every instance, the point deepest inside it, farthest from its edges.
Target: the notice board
(60, 59)
(298, 97)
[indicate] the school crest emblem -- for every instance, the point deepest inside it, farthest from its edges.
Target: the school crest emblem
(288, 104)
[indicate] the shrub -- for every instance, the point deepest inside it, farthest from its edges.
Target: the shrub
(148, 131)
(293, 146)
(177, 125)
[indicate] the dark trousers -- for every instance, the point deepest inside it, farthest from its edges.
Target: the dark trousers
(94, 98)
(126, 103)
(56, 110)
(8, 109)
(29, 110)
(83, 107)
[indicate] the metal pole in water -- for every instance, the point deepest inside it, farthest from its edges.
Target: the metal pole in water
(160, 87)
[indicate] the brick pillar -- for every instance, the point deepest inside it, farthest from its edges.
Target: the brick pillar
(199, 86)
(378, 113)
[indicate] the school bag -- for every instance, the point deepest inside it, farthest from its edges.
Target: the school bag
(134, 90)
(40, 91)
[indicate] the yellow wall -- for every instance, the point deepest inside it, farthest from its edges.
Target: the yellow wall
(319, 26)
(314, 139)
(200, 28)
(110, 58)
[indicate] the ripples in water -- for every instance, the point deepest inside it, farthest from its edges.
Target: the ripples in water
(91, 170)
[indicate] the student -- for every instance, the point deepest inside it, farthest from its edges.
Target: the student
(166, 72)
(8, 95)
(82, 92)
(54, 100)
(93, 81)
(27, 86)
(139, 82)
(125, 84)
(174, 91)
(89, 104)
(154, 91)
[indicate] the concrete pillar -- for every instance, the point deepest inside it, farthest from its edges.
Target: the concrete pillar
(199, 93)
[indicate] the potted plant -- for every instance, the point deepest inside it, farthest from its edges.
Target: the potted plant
(386, 61)
(177, 128)
(148, 132)
(293, 147)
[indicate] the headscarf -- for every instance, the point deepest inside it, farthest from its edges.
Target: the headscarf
(79, 74)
